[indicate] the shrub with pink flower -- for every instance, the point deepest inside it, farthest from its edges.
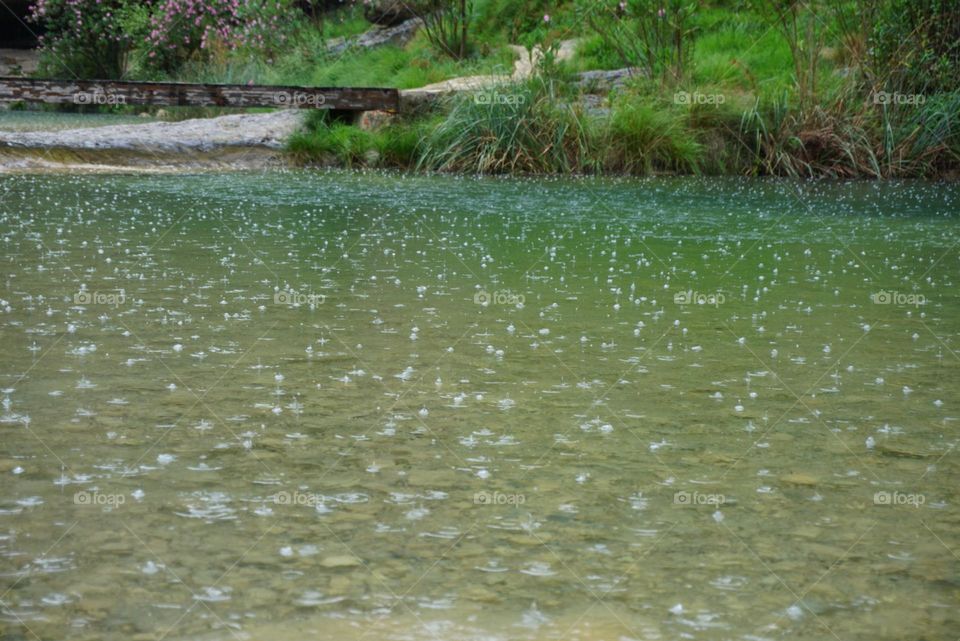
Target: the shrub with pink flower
(83, 38)
(97, 38)
(182, 30)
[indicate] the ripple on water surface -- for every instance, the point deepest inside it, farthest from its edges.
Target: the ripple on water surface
(310, 405)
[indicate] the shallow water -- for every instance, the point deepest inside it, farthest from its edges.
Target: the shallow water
(56, 121)
(301, 405)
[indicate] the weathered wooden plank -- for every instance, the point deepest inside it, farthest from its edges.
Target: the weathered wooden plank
(181, 94)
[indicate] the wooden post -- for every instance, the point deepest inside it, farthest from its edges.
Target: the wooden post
(181, 94)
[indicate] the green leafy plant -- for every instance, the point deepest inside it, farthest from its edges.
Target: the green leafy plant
(801, 24)
(446, 24)
(916, 45)
(656, 36)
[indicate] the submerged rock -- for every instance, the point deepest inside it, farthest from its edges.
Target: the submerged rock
(898, 451)
(340, 561)
(799, 479)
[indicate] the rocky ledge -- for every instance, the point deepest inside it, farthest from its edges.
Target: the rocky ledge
(398, 35)
(237, 141)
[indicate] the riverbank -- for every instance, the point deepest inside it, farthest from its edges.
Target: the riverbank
(574, 90)
(555, 121)
(596, 126)
(538, 120)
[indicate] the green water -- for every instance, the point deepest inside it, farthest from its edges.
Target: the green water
(185, 454)
(56, 121)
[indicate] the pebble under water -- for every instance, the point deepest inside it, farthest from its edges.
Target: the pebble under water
(300, 405)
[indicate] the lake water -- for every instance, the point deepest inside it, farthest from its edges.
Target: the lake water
(305, 405)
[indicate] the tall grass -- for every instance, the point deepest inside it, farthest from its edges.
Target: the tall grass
(336, 143)
(854, 139)
(541, 130)
(922, 140)
(643, 138)
(536, 129)
(523, 128)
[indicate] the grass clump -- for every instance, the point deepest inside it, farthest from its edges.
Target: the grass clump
(645, 138)
(845, 138)
(398, 145)
(524, 128)
(324, 142)
(327, 142)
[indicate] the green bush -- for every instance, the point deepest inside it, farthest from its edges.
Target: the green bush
(396, 145)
